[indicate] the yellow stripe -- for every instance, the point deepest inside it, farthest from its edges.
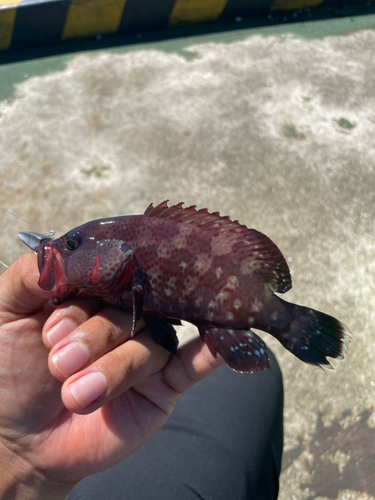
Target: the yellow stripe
(196, 11)
(294, 4)
(7, 18)
(93, 17)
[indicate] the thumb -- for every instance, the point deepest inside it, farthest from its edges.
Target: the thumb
(20, 293)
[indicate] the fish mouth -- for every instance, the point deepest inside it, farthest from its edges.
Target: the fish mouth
(50, 263)
(51, 271)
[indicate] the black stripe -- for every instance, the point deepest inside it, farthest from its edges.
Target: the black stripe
(243, 8)
(144, 15)
(39, 24)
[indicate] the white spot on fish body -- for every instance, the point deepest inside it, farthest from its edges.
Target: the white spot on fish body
(251, 320)
(212, 304)
(199, 301)
(203, 264)
(219, 272)
(221, 244)
(275, 316)
(181, 239)
(237, 303)
(172, 282)
(222, 295)
(167, 292)
(232, 282)
(247, 265)
(183, 265)
(256, 306)
(229, 315)
(162, 251)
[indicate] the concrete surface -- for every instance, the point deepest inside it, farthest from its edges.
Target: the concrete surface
(274, 127)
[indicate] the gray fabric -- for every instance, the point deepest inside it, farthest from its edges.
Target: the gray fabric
(224, 440)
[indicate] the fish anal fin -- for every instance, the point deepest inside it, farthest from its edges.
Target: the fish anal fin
(213, 350)
(242, 350)
(162, 332)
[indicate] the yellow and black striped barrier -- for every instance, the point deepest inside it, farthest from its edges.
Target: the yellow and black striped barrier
(33, 23)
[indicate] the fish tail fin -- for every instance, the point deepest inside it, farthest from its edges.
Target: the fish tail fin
(312, 335)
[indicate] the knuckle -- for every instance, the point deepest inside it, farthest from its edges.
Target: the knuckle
(81, 309)
(117, 323)
(121, 370)
(113, 333)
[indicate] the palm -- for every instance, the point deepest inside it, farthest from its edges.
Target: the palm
(68, 445)
(52, 437)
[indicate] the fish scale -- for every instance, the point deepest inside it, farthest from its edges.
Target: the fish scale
(174, 263)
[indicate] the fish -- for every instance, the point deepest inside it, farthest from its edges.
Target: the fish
(176, 263)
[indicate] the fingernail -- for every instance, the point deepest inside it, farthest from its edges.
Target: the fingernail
(88, 388)
(60, 331)
(71, 358)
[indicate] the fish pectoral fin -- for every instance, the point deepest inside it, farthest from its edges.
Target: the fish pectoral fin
(242, 350)
(162, 332)
(137, 306)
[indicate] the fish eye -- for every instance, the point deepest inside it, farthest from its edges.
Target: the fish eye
(73, 241)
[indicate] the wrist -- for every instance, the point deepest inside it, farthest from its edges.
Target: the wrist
(20, 481)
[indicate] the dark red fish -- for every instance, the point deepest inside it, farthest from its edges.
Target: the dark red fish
(174, 263)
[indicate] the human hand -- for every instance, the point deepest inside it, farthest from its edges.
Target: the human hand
(56, 425)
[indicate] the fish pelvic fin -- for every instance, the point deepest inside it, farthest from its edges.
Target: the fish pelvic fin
(312, 336)
(242, 350)
(162, 332)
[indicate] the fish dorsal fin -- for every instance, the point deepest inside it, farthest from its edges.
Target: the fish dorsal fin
(262, 255)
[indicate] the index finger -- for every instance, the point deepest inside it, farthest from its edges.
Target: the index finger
(20, 293)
